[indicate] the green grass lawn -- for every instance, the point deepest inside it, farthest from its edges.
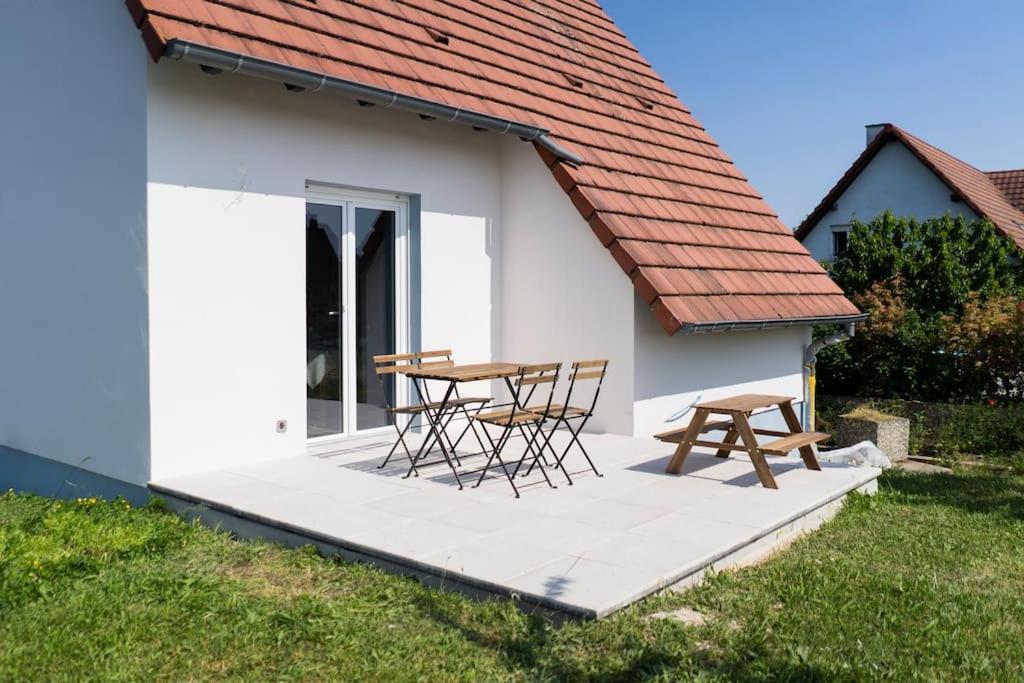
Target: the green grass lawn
(924, 580)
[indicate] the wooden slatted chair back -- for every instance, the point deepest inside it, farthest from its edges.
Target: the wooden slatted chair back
(543, 376)
(386, 366)
(538, 374)
(437, 360)
(582, 371)
(389, 364)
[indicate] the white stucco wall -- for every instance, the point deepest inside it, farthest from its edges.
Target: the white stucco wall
(73, 379)
(673, 373)
(229, 158)
(564, 297)
(896, 180)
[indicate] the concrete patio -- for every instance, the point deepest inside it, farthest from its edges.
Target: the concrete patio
(586, 550)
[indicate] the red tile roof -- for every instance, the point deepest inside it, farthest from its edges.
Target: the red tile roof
(977, 189)
(1011, 184)
(702, 248)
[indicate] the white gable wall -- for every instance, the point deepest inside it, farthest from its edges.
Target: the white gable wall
(564, 296)
(73, 371)
(509, 270)
(896, 180)
(673, 373)
(229, 157)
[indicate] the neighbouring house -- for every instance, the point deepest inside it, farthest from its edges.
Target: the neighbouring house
(215, 212)
(901, 173)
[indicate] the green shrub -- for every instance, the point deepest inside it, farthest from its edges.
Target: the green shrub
(986, 429)
(946, 318)
(981, 429)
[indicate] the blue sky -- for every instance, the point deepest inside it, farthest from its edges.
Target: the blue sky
(786, 86)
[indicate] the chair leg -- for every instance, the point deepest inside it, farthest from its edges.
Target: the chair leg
(508, 476)
(558, 460)
(515, 472)
(490, 458)
(434, 438)
(444, 432)
(496, 454)
(529, 446)
(575, 439)
(470, 425)
(536, 455)
(401, 440)
(435, 427)
(547, 444)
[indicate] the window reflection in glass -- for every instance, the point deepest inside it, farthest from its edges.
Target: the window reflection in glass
(324, 393)
(375, 313)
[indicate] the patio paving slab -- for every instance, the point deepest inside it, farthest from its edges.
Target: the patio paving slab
(586, 549)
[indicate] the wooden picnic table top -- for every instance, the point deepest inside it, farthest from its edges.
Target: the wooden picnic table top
(466, 373)
(744, 403)
(740, 429)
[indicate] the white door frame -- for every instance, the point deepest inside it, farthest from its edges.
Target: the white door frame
(350, 199)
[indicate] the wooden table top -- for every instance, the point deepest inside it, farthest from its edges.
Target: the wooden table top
(467, 373)
(744, 402)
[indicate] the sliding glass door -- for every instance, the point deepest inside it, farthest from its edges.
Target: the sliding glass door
(355, 309)
(325, 404)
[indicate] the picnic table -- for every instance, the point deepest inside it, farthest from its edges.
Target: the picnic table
(737, 427)
(436, 411)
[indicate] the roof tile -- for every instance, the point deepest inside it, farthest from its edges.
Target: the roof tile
(697, 240)
(990, 195)
(1011, 184)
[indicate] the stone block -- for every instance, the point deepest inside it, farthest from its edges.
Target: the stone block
(890, 433)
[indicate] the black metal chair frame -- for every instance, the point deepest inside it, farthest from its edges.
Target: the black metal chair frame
(414, 411)
(583, 370)
(454, 409)
(389, 364)
(529, 376)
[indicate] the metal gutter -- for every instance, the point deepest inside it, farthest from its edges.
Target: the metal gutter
(215, 61)
(723, 326)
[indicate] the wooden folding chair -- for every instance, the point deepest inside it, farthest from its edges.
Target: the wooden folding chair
(385, 366)
(562, 413)
(517, 419)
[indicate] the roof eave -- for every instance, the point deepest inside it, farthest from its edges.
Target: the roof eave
(825, 205)
(773, 323)
(886, 135)
(216, 60)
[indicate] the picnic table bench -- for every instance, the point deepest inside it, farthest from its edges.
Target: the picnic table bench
(738, 428)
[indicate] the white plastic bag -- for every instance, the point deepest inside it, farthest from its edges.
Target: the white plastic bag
(863, 454)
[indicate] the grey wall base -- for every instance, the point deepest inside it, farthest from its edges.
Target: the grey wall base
(28, 473)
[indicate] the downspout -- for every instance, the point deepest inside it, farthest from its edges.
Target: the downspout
(810, 365)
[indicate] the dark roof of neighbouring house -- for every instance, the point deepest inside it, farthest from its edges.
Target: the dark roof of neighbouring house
(982, 192)
(700, 245)
(1011, 184)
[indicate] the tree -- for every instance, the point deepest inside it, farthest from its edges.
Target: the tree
(943, 296)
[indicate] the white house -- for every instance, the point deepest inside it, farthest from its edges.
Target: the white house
(902, 173)
(212, 214)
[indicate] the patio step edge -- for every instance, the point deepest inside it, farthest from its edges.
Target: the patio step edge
(690, 573)
(358, 552)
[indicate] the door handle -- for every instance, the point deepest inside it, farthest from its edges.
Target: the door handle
(334, 314)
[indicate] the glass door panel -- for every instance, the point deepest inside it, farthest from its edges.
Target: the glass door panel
(324, 360)
(353, 311)
(374, 312)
